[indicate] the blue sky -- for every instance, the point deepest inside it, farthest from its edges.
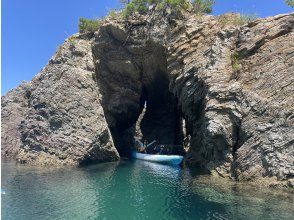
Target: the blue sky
(32, 30)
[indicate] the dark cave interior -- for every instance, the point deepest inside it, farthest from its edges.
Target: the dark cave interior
(162, 118)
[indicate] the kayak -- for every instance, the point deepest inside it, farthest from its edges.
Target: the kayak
(166, 159)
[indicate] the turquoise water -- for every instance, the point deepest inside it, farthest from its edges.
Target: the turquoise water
(132, 190)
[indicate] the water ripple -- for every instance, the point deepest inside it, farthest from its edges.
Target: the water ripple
(128, 190)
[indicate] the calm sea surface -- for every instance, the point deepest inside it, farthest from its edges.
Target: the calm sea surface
(132, 190)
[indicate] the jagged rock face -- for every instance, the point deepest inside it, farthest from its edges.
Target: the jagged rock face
(231, 105)
(267, 132)
(57, 117)
(14, 107)
(233, 85)
(225, 108)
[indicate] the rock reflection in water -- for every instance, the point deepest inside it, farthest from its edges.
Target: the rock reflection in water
(133, 190)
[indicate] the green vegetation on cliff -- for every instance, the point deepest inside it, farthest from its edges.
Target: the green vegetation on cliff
(235, 59)
(290, 3)
(237, 20)
(142, 6)
(88, 25)
(203, 6)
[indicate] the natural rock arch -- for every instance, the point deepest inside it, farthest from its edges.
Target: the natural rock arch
(131, 80)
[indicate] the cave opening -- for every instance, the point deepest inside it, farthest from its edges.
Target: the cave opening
(144, 106)
(161, 119)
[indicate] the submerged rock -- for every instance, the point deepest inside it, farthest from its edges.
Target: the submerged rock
(226, 91)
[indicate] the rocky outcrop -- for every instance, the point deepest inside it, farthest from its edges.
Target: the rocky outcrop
(225, 91)
(57, 118)
(266, 134)
(228, 84)
(236, 80)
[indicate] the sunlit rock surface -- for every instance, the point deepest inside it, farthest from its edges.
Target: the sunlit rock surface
(57, 118)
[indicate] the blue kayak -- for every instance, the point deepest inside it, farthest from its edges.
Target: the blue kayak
(166, 159)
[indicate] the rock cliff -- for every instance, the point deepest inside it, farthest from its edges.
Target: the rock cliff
(57, 118)
(224, 90)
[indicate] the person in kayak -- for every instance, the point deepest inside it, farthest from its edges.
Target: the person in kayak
(143, 146)
(163, 150)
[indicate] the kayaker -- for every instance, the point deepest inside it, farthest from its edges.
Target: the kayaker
(162, 150)
(143, 147)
